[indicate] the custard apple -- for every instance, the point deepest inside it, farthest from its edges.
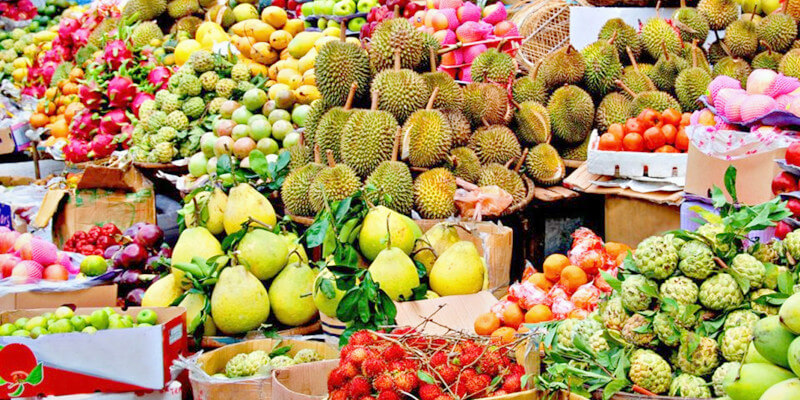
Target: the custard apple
(565, 331)
(718, 378)
(156, 121)
(306, 356)
(224, 87)
(613, 313)
(734, 341)
(209, 80)
(165, 134)
(193, 107)
(766, 252)
(698, 355)
(598, 342)
(792, 244)
(638, 331)
(667, 332)
(586, 327)
(720, 292)
(656, 257)
(258, 358)
(238, 366)
(697, 260)
(186, 68)
(202, 61)
(170, 103)
(633, 297)
(741, 318)
(240, 72)
(281, 362)
(650, 371)
(177, 120)
(164, 152)
(763, 309)
(685, 385)
(750, 268)
(146, 108)
(711, 232)
(215, 105)
(681, 289)
(190, 85)
(174, 84)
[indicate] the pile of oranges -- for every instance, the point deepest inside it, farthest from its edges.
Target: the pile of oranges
(59, 105)
(650, 131)
(567, 287)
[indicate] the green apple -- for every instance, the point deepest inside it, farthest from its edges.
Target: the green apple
(751, 6)
(197, 164)
(344, 7)
(292, 139)
(38, 331)
(109, 311)
(147, 317)
(278, 115)
(35, 322)
(99, 319)
(267, 146)
(322, 23)
(61, 326)
(318, 6)
(254, 99)
(89, 330)
(143, 325)
(207, 143)
(365, 6)
(21, 322)
(7, 329)
(78, 322)
(64, 312)
(260, 129)
(115, 322)
(241, 115)
(300, 113)
(21, 333)
(307, 9)
(333, 24)
(768, 6)
(48, 315)
(240, 131)
(355, 24)
(281, 128)
(127, 320)
(256, 117)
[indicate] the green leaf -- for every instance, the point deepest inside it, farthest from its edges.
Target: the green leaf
(364, 311)
(342, 208)
(258, 163)
(36, 376)
(650, 289)
(580, 343)
(280, 351)
(315, 234)
(223, 164)
(730, 183)
(346, 311)
(615, 283)
(327, 288)
(786, 282)
(615, 387)
(425, 377)
(20, 389)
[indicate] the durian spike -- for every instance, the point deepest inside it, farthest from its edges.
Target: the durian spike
(375, 97)
(349, 103)
(521, 160)
(632, 58)
(625, 88)
(396, 59)
(342, 33)
(317, 158)
(432, 99)
(433, 58)
(331, 161)
(396, 144)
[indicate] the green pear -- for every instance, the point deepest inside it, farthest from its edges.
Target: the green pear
(162, 293)
(297, 253)
(394, 271)
(786, 390)
(195, 303)
(216, 206)
(193, 242)
(790, 313)
(263, 252)
(327, 305)
(772, 340)
(434, 243)
(753, 357)
(794, 356)
(415, 229)
(290, 295)
(381, 226)
(459, 270)
(239, 302)
(245, 202)
(752, 380)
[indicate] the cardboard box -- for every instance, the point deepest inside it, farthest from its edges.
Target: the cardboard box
(634, 164)
(97, 296)
(109, 361)
(630, 220)
(132, 201)
(172, 392)
(753, 175)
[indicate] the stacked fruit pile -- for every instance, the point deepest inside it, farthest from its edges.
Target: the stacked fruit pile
(408, 364)
(567, 287)
(261, 363)
(59, 105)
(650, 131)
(64, 320)
(28, 259)
(766, 91)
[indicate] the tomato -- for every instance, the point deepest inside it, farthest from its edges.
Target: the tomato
(671, 116)
(632, 125)
(649, 117)
(633, 142)
(654, 138)
(670, 131)
(617, 130)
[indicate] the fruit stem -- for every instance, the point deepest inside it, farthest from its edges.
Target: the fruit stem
(432, 55)
(767, 46)
(388, 233)
(721, 263)
(397, 59)
(726, 49)
(485, 122)
(508, 163)
(664, 49)
(694, 53)
(432, 99)
(397, 11)
(317, 158)
(396, 144)
(302, 141)
(632, 58)
(658, 9)
(375, 97)
(350, 96)
(331, 161)
(683, 3)
(521, 160)
(612, 38)
(625, 88)
(342, 33)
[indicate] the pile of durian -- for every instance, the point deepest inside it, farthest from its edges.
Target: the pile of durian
(183, 15)
(389, 121)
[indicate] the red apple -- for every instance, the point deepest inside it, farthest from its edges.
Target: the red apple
(782, 229)
(7, 263)
(794, 206)
(784, 183)
(793, 154)
(55, 272)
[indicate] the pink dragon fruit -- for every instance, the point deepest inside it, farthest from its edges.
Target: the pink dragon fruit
(124, 138)
(113, 121)
(138, 100)
(158, 77)
(76, 151)
(90, 96)
(117, 54)
(102, 146)
(84, 125)
(120, 91)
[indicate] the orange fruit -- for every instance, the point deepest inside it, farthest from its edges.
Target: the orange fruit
(591, 262)
(540, 281)
(75, 74)
(504, 335)
(486, 323)
(617, 130)
(609, 142)
(71, 110)
(513, 315)
(538, 313)
(60, 128)
(614, 249)
(578, 313)
(572, 277)
(670, 131)
(553, 265)
(633, 142)
(39, 120)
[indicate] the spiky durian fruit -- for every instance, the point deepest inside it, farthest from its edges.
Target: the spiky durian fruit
(495, 143)
(654, 99)
(396, 34)
(637, 81)
(718, 13)
(565, 66)
(429, 42)
(624, 36)
(460, 126)
(144, 33)
(465, 164)
(226, 20)
(485, 101)
(691, 25)
(602, 68)
(575, 153)
(105, 27)
(181, 8)
(332, 183)
(188, 24)
(544, 165)
(790, 64)
(690, 85)
(294, 191)
(571, 113)
(450, 96)
(401, 92)
(394, 187)
(741, 38)
(493, 66)
(328, 135)
(434, 191)
(735, 68)
(299, 156)
(615, 108)
(318, 108)
(666, 69)
(529, 89)
(144, 10)
(692, 53)
(716, 52)
(366, 140)
(504, 178)
(778, 31)
(427, 138)
(657, 34)
(337, 65)
(767, 59)
(532, 123)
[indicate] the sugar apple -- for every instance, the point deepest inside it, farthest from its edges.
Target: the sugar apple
(650, 371)
(238, 366)
(633, 297)
(681, 289)
(741, 318)
(209, 80)
(306, 356)
(202, 61)
(638, 330)
(750, 268)
(666, 330)
(224, 87)
(281, 362)
(720, 292)
(711, 232)
(718, 378)
(565, 331)
(193, 107)
(613, 313)
(190, 85)
(734, 341)
(258, 357)
(240, 72)
(656, 257)
(685, 385)
(215, 105)
(178, 120)
(598, 342)
(765, 308)
(697, 260)
(586, 327)
(698, 355)
(766, 252)
(792, 244)
(156, 120)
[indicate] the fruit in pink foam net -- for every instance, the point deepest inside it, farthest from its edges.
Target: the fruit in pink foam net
(22, 240)
(27, 272)
(494, 13)
(471, 31)
(471, 52)
(7, 264)
(55, 272)
(469, 12)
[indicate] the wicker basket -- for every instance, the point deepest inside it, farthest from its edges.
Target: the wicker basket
(544, 24)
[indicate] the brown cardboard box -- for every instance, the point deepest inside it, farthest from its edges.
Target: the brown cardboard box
(80, 209)
(97, 296)
(753, 175)
(629, 220)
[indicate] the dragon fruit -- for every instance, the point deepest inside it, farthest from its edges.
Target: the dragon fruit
(117, 54)
(84, 125)
(113, 121)
(102, 146)
(158, 77)
(120, 91)
(138, 100)
(90, 95)
(76, 151)
(124, 137)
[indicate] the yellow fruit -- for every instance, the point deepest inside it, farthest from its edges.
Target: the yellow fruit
(19, 74)
(310, 77)
(185, 49)
(294, 26)
(322, 41)
(285, 76)
(253, 28)
(289, 295)
(275, 16)
(239, 301)
(244, 44)
(193, 242)
(273, 71)
(331, 31)
(21, 62)
(305, 94)
(275, 89)
(302, 43)
(290, 63)
(169, 59)
(245, 202)
(325, 304)
(279, 39)
(262, 53)
(258, 69)
(307, 61)
(459, 270)
(161, 293)
(206, 28)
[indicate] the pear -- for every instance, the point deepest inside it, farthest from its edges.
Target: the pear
(193, 242)
(753, 357)
(216, 211)
(291, 295)
(296, 251)
(239, 302)
(752, 380)
(195, 304)
(245, 202)
(327, 305)
(790, 313)
(382, 225)
(394, 271)
(190, 209)
(434, 242)
(772, 340)
(794, 356)
(415, 229)
(786, 390)
(459, 270)
(162, 293)
(263, 252)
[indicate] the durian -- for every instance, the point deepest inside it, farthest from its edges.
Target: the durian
(565, 66)
(318, 108)
(328, 135)
(655, 99)
(544, 165)
(460, 126)
(485, 102)
(666, 69)
(735, 68)
(181, 8)
(504, 178)
(144, 10)
(402, 91)
(493, 66)
(427, 136)
(690, 85)
(602, 68)
(465, 164)
(529, 89)
(615, 108)
(625, 36)
(576, 153)
(790, 63)
(339, 62)
(332, 183)
(778, 31)
(635, 79)
(741, 39)
(144, 33)
(532, 123)
(718, 13)
(391, 185)
(366, 140)
(295, 189)
(396, 34)
(495, 143)
(188, 24)
(434, 191)
(571, 114)
(767, 59)
(450, 96)
(657, 34)
(690, 23)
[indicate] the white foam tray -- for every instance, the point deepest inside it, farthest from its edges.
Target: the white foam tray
(630, 164)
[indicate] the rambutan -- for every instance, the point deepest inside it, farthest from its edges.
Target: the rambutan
(384, 382)
(349, 370)
(448, 372)
(357, 356)
(438, 358)
(339, 394)
(394, 352)
(337, 379)
(406, 381)
(490, 363)
(428, 391)
(362, 338)
(373, 367)
(512, 383)
(388, 395)
(358, 387)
